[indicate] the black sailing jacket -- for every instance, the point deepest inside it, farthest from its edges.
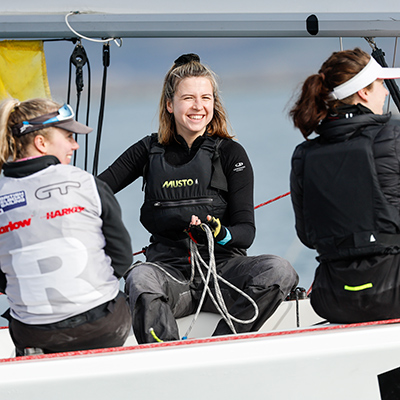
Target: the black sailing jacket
(345, 187)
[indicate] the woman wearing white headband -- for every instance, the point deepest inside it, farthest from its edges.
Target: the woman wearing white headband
(345, 187)
(63, 245)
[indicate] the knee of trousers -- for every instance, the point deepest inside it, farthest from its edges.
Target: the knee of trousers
(279, 272)
(144, 278)
(289, 277)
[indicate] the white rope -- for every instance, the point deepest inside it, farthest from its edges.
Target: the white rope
(212, 270)
(170, 275)
(203, 295)
(117, 41)
(219, 301)
(196, 263)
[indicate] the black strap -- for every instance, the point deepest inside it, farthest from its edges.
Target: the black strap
(380, 239)
(106, 64)
(218, 180)
(388, 239)
(150, 143)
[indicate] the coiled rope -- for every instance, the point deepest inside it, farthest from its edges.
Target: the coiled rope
(197, 263)
(218, 300)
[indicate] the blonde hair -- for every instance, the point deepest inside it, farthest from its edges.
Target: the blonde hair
(13, 112)
(188, 66)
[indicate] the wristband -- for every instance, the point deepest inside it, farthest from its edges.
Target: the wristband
(226, 239)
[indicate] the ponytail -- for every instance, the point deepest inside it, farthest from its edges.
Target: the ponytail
(8, 145)
(13, 112)
(311, 106)
(314, 102)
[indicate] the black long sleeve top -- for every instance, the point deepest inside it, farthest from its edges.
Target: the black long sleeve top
(236, 167)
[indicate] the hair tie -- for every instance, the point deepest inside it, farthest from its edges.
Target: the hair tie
(322, 75)
(186, 58)
(16, 106)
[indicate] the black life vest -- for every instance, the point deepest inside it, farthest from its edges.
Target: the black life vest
(346, 213)
(174, 193)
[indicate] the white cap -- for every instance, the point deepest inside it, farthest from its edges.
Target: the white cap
(370, 73)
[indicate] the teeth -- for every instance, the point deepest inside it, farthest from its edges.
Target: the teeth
(196, 117)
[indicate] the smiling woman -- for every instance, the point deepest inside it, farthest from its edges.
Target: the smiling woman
(196, 178)
(60, 261)
(192, 107)
(33, 136)
(61, 144)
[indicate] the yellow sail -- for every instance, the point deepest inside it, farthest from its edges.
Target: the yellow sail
(23, 72)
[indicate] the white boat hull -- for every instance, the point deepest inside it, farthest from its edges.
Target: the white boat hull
(324, 362)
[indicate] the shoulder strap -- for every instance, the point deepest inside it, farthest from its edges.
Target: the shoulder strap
(218, 180)
(150, 142)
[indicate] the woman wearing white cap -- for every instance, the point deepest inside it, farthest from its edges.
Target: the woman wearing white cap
(345, 187)
(63, 245)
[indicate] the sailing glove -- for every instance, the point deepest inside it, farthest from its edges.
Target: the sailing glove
(220, 233)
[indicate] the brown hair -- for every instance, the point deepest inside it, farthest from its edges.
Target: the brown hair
(313, 104)
(13, 112)
(187, 66)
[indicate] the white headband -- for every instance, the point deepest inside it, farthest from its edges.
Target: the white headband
(371, 72)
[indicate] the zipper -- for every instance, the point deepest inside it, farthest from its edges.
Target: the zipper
(179, 203)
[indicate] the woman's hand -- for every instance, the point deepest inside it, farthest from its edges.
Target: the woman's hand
(197, 232)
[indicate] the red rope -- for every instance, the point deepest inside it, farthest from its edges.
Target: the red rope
(272, 200)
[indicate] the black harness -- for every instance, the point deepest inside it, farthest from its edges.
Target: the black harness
(345, 211)
(174, 193)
